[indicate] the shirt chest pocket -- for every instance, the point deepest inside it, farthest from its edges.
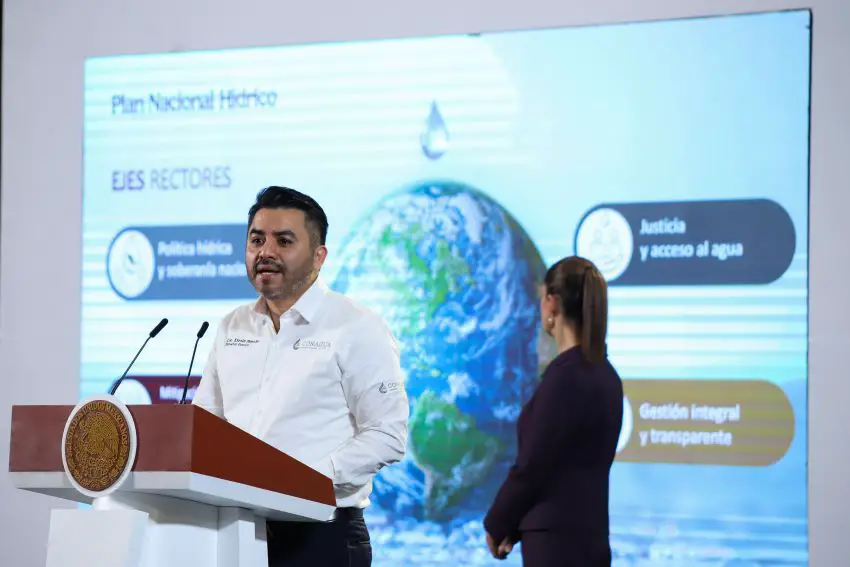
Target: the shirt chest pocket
(240, 367)
(307, 377)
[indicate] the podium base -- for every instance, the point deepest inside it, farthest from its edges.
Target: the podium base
(142, 530)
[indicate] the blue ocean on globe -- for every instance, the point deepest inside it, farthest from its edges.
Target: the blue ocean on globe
(455, 276)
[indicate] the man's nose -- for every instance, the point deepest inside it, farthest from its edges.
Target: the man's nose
(266, 252)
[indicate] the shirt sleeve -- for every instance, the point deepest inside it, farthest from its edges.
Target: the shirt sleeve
(555, 415)
(373, 383)
(208, 394)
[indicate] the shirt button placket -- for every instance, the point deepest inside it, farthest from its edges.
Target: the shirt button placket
(256, 421)
(265, 382)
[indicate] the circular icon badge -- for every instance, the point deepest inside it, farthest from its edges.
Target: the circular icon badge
(133, 392)
(99, 445)
(130, 264)
(605, 238)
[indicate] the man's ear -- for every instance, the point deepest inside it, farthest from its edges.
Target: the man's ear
(319, 256)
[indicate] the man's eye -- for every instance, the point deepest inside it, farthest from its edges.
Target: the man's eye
(284, 242)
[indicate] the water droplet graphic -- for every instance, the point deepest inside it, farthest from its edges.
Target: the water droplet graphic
(434, 139)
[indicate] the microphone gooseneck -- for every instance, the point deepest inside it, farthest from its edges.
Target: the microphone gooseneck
(154, 332)
(201, 332)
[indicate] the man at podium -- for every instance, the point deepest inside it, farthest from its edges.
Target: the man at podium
(312, 373)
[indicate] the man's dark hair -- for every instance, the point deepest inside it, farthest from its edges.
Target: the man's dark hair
(275, 197)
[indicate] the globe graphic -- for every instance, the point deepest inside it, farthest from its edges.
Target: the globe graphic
(456, 277)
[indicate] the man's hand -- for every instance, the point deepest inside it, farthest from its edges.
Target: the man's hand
(502, 550)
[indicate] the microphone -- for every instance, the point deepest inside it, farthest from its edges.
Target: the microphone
(154, 332)
(201, 331)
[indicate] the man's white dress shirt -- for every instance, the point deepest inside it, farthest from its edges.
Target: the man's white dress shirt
(327, 388)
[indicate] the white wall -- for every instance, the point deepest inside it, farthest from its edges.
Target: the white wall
(45, 43)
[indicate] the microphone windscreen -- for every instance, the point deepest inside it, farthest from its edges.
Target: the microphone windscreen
(159, 326)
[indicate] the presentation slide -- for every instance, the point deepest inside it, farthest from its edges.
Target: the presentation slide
(454, 170)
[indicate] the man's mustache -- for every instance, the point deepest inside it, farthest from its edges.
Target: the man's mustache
(268, 266)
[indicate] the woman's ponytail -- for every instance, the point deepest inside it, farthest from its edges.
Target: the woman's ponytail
(583, 298)
(594, 315)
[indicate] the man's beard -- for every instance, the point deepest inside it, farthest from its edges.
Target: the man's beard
(292, 280)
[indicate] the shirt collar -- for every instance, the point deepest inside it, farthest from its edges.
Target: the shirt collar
(306, 306)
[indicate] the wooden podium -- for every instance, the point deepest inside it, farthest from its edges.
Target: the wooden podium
(195, 491)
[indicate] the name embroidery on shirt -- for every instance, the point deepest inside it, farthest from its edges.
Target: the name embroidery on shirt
(301, 344)
(240, 342)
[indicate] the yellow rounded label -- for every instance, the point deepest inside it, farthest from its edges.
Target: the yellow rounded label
(707, 422)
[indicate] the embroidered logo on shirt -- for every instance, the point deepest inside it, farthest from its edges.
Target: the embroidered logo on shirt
(239, 341)
(387, 387)
(311, 345)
